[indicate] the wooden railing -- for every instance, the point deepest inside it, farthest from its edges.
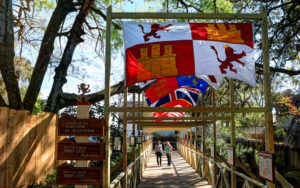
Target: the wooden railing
(195, 158)
(204, 166)
(135, 169)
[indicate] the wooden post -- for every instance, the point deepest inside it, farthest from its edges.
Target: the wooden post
(232, 135)
(124, 153)
(82, 113)
(269, 137)
(203, 134)
(139, 134)
(134, 147)
(215, 168)
(191, 149)
(106, 167)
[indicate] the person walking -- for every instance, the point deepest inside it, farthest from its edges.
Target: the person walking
(158, 152)
(169, 150)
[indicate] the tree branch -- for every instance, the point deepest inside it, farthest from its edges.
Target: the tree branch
(69, 99)
(7, 54)
(100, 13)
(63, 8)
(61, 71)
(280, 70)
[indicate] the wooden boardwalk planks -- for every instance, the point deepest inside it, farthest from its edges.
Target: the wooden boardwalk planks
(179, 174)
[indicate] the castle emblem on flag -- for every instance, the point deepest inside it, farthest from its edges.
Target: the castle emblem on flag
(154, 28)
(157, 66)
(230, 57)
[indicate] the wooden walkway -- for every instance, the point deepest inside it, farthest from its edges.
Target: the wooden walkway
(179, 175)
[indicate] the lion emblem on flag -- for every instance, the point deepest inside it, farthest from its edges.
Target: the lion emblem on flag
(230, 57)
(154, 28)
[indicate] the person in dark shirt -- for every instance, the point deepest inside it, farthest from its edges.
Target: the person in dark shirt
(158, 152)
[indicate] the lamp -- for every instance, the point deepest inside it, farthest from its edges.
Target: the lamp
(132, 141)
(139, 140)
(117, 144)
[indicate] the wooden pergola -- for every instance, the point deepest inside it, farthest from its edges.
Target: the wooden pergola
(189, 121)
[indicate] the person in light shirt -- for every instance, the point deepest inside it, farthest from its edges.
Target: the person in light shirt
(158, 152)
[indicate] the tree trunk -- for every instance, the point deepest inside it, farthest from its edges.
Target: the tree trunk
(63, 8)
(7, 55)
(61, 71)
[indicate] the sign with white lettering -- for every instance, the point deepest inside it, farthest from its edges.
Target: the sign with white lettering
(266, 165)
(69, 126)
(67, 174)
(68, 149)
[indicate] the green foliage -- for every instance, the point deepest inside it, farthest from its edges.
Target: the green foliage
(44, 4)
(49, 182)
(279, 135)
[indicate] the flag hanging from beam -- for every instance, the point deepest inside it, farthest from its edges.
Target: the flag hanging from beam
(160, 50)
(166, 86)
(187, 94)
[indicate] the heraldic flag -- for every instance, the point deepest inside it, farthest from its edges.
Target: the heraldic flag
(181, 49)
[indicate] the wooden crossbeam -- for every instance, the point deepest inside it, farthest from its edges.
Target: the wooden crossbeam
(179, 118)
(169, 124)
(157, 15)
(188, 109)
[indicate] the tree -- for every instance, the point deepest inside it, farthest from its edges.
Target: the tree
(89, 16)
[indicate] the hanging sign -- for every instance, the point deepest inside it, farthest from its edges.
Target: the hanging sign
(70, 126)
(266, 165)
(230, 155)
(67, 174)
(212, 154)
(202, 147)
(67, 149)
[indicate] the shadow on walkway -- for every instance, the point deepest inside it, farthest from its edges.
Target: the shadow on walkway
(179, 174)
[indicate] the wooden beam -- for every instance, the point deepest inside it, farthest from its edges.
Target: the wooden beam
(188, 109)
(159, 15)
(169, 124)
(180, 118)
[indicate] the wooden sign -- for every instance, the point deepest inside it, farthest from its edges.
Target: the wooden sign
(67, 174)
(68, 149)
(70, 126)
(266, 165)
(230, 155)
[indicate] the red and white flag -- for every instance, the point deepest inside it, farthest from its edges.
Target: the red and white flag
(179, 49)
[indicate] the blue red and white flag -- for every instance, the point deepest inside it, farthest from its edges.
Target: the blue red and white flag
(158, 50)
(187, 94)
(165, 86)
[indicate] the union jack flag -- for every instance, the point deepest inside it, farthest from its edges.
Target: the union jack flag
(184, 93)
